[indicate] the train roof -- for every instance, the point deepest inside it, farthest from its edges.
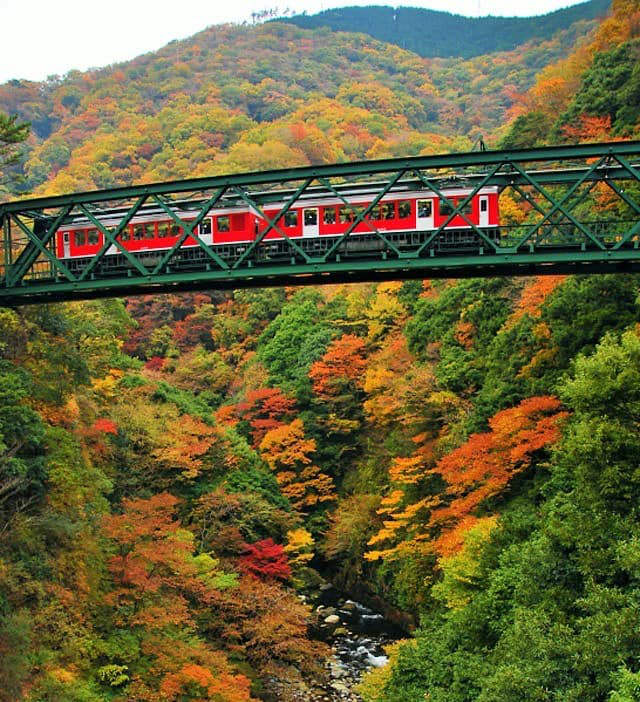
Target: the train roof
(452, 184)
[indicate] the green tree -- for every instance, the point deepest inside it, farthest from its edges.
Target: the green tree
(12, 133)
(296, 338)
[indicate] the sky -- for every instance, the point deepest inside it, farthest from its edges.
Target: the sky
(48, 37)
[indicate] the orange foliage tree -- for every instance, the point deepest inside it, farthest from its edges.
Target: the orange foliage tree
(533, 296)
(479, 469)
(485, 464)
(590, 128)
(266, 624)
(264, 409)
(558, 82)
(340, 368)
(158, 587)
(287, 452)
(337, 382)
(197, 682)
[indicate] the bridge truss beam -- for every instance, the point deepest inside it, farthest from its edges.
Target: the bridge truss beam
(563, 209)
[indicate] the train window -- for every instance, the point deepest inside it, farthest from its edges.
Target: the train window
(389, 210)
(425, 208)
(223, 223)
(346, 214)
(483, 204)
(93, 237)
(138, 231)
(446, 208)
(291, 218)
(205, 227)
(124, 235)
(376, 212)
(164, 230)
(311, 217)
(358, 210)
(175, 229)
(80, 237)
(404, 209)
(329, 215)
(467, 208)
(149, 230)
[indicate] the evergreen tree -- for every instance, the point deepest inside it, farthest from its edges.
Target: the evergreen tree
(12, 133)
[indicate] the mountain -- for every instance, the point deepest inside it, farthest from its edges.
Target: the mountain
(234, 98)
(431, 33)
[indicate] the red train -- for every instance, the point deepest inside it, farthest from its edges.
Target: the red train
(315, 222)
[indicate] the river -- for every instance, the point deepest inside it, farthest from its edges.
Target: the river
(357, 635)
(356, 651)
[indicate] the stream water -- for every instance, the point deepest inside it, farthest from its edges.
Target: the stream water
(357, 650)
(357, 635)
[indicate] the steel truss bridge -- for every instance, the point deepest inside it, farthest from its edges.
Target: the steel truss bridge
(565, 209)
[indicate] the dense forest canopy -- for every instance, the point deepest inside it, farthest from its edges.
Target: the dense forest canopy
(180, 475)
(431, 33)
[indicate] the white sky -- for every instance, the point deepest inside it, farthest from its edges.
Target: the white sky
(45, 37)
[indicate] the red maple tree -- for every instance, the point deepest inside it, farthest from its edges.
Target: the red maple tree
(266, 560)
(265, 409)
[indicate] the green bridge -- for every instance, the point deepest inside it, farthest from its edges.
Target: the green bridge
(564, 209)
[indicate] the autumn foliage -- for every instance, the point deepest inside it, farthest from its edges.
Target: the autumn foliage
(480, 469)
(288, 453)
(265, 409)
(343, 363)
(533, 295)
(106, 426)
(197, 680)
(484, 466)
(174, 467)
(184, 443)
(265, 559)
(158, 587)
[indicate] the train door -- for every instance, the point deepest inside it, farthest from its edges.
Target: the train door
(66, 245)
(205, 231)
(424, 219)
(310, 222)
(484, 211)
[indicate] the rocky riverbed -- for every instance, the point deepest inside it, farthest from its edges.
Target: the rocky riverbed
(357, 635)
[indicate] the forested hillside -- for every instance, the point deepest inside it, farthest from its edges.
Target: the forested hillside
(236, 98)
(185, 478)
(431, 33)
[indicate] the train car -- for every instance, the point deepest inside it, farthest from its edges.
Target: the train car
(316, 220)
